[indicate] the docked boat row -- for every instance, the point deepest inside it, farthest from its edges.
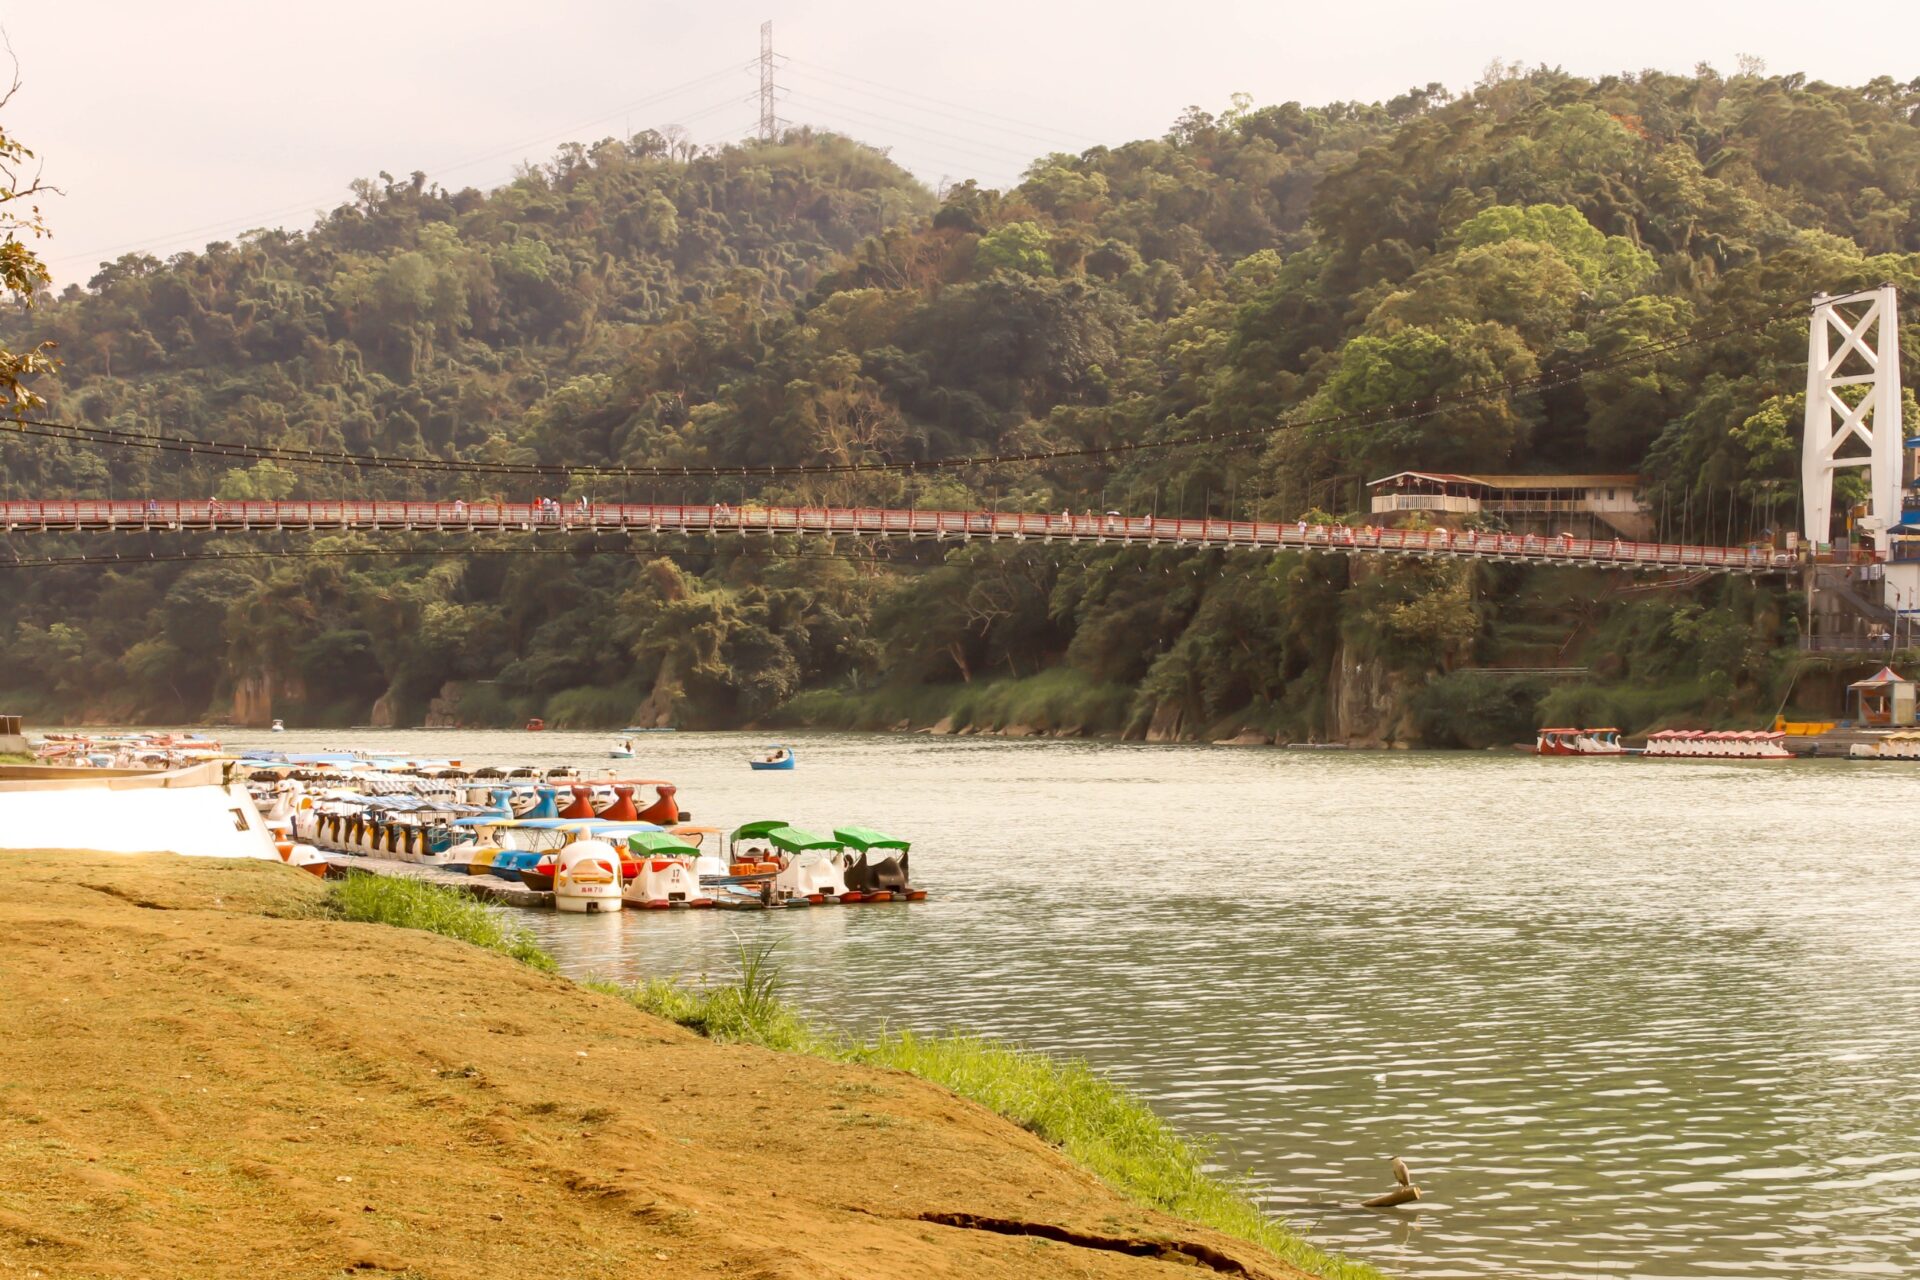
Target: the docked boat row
(549, 839)
(1902, 744)
(1578, 742)
(1723, 745)
(126, 750)
(523, 793)
(1670, 744)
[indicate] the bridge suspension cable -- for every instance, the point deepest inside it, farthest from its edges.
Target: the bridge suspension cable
(1239, 438)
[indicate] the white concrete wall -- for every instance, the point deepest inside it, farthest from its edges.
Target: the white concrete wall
(135, 815)
(1388, 502)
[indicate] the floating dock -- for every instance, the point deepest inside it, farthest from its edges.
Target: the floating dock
(490, 888)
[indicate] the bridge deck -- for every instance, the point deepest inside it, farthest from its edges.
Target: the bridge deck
(88, 516)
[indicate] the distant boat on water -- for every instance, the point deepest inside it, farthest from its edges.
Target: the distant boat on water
(776, 758)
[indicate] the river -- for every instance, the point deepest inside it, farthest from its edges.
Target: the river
(1622, 1017)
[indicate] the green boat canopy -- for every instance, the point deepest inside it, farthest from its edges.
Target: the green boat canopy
(662, 843)
(759, 830)
(794, 840)
(865, 838)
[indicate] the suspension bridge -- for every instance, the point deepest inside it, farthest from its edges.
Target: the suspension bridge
(463, 519)
(1852, 420)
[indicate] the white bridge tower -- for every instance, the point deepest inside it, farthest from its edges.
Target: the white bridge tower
(1854, 342)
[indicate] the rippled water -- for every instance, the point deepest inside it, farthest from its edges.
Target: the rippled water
(1621, 1017)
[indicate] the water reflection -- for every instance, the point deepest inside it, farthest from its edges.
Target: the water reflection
(1621, 1017)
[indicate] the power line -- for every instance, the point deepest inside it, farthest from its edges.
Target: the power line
(944, 104)
(1245, 437)
(1029, 144)
(940, 137)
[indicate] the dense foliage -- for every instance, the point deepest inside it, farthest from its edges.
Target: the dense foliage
(22, 273)
(805, 302)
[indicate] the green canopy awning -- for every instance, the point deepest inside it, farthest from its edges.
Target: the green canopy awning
(865, 838)
(759, 830)
(661, 844)
(794, 840)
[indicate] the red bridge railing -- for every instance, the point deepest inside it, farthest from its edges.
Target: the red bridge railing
(88, 515)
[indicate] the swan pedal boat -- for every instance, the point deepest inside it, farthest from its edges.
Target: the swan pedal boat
(588, 878)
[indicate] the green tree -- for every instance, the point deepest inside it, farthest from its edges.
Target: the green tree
(22, 273)
(1017, 246)
(1609, 267)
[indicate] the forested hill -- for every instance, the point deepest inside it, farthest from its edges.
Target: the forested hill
(806, 302)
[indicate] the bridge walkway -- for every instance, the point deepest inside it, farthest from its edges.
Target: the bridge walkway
(464, 518)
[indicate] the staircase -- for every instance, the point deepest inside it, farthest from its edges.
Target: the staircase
(1847, 615)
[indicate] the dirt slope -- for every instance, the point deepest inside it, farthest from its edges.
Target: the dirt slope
(197, 1082)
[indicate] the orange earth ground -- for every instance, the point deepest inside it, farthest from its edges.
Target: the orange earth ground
(198, 1078)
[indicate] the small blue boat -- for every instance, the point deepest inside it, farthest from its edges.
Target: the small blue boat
(777, 757)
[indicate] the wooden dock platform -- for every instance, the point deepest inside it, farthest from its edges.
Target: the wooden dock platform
(1833, 744)
(490, 888)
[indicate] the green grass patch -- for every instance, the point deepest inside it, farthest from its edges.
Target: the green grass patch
(413, 904)
(1642, 707)
(33, 703)
(485, 706)
(1097, 1123)
(592, 708)
(1060, 698)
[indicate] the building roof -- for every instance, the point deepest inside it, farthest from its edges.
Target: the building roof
(1884, 676)
(1514, 482)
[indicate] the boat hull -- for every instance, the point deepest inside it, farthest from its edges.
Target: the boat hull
(587, 879)
(666, 882)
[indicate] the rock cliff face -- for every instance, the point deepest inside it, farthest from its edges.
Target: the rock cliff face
(1168, 723)
(657, 711)
(1366, 703)
(256, 692)
(443, 712)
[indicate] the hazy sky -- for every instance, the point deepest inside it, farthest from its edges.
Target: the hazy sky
(172, 122)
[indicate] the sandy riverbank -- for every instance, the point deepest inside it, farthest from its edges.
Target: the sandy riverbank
(199, 1078)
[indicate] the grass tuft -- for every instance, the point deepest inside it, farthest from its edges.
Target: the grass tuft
(749, 1011)
(1058, 699)
(1097, 1123)
(413, 904)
